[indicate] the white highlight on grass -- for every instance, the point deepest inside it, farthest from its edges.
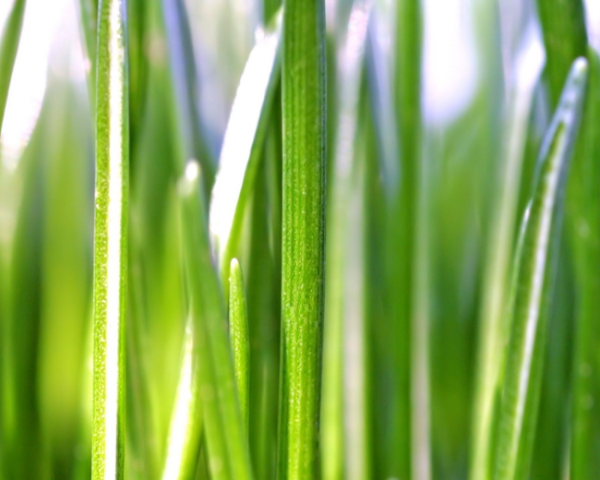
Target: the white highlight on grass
(593, 22)
(115, 231)
(28, 83)
(239, 138)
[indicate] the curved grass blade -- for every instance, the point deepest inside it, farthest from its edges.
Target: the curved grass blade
(228, 453)
(532, 287)
(9, 44)
(491, 339)
(333, 410)
(565, 39)
(186, 115)
(584, 215)
(238, 332)
(242, 148)
(110, 241)
(304, 102)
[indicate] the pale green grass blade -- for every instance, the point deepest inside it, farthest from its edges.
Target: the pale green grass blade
(110, 242)
(228, 454)
(303, 244)
(338, 310)
(238, 332)
(565, 38)
(532, 287)
(9, 44)
(243, 148)
(584, 210)
(491, 341)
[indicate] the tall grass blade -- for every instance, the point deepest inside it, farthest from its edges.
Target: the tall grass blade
(238, 332)
(110, 241)
(9, 44)
(584, 211)
(303, 243)
(533, 286)
(228, 454)
(243, 148)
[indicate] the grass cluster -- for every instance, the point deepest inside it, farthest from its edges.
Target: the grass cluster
(284, 268)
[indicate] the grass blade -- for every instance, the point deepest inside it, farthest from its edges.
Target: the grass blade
(304, 165)
(532, 287)
(9, 44)
(238, 332)
(584, 211)
(228, 454)
(110, 241)
(242, 148)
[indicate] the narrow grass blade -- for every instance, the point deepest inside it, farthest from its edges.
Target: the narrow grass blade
(110, 241)
(242, 148)
(565, 39)
(334, 438)
(228, 453)
(304, 164)
(238, 332)
(9, 44)
(584, 216)
(491, 341)
(532, 287)
(186, 116)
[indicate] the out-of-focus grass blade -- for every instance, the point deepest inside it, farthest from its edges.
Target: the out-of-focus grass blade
(304, 102)
(532, 287)
(88, 10)
(186, 116)
(110, 241)
(242, 148)
(407, 93)
(565, 38)
(9, 43)
(491, 340)
(584, 211)
(228, 454)
(238, 332)
(335, 443)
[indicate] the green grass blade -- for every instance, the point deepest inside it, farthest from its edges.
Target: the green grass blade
(584, 211)
(228, 453)
(532, 288)
(565, 39)
(110, 241)
(337, 301)
(491, 341)
(304, 165)
(9, 44)
(238, 332)
(242, 148)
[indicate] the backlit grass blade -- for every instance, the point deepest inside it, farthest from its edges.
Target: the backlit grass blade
(533, 286)
(110, 241)
(565, 39)
(584, 211)
(238, 332)
(304, 103)
(337, 300)
(491, 341)
(243, 147)
(9, 44)
(403, 222)
(226, 438)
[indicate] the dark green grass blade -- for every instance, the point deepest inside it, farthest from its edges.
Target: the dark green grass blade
(532, 287)
(238, 332)
(584, 222)
(304, 165)
(565, 38)
(228, 453)
(110, 242)
(9, 44)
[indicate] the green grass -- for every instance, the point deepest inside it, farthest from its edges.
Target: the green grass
(309, 276)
